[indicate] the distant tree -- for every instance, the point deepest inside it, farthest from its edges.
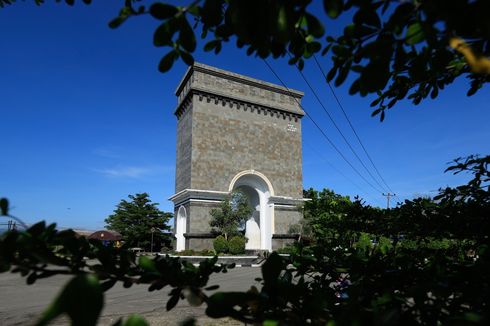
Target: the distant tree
(321, 210)
(231, 215)
(137, 218)
(323, 202)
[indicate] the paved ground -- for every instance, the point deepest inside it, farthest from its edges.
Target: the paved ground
(21, 304)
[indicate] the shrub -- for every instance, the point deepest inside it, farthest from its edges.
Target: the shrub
(289, 249)
(206, 252)
(237, 245)
(187, 252)
(220, 245)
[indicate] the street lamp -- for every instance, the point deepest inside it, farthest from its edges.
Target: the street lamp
(152, 231)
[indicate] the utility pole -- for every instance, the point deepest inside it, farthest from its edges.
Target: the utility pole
(388, 196)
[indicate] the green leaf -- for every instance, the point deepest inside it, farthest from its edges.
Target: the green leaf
(164, 33)
(172, 302)
(190, 321)
(415, 34)
(135, 320)
(221, 304)
(368, 17)
(282, 21)
(355, 87)
(375, 102)
(315, 28)
(473, 90)
(167, 61)
(376, 112)
(434, 93)
(116, 22)
(147, 264)
(186, 36)
(81, 299)
(211, 45)
(4, 206)
(270, 323)
(163, 11)
(301, 64)
(187, 58)
(272, 268)
(333, 8)
(331, 74)
(343, 72)
(212, 12)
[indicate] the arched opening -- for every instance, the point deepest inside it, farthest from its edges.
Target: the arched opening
(258, 228)
(252, 226)
(180, 228)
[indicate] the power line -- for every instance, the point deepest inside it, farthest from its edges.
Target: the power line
(339, 171)
(352, 126)
(320, 129)
(338, 129)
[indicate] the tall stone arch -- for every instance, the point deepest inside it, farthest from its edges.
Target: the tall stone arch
(233, 132)
(259, 226)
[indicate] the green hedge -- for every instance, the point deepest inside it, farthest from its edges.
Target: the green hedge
(220, 245)
(237, 245)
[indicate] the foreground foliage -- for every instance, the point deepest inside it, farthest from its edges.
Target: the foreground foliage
(426, 262)
(394, 49)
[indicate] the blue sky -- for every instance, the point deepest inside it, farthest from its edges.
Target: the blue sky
(86, 119)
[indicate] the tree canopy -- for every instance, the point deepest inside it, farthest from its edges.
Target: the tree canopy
(137, 219)
(394, 49)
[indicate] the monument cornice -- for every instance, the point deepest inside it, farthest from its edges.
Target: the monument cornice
(233, 102)
(187, 195)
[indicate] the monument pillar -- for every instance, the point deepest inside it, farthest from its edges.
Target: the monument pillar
(236, 132)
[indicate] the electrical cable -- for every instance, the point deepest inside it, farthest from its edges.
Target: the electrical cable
(338, 129)
(352, 126)
(320, 129)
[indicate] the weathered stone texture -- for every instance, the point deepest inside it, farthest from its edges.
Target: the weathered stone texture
(200, 217)
(235, 86)
(281, 243)
(238, 123)
(285, 217)
(227, 140)
(199, 244)
(184, 146)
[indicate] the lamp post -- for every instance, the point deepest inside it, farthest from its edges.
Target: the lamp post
(152, 231)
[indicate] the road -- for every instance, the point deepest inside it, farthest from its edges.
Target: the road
(21, 304)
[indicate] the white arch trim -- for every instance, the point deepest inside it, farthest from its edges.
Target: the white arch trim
(251, 172)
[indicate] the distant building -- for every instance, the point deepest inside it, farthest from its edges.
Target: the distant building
(107, 237)
(236, 132)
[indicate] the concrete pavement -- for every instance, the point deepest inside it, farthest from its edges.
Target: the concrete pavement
(21, 304)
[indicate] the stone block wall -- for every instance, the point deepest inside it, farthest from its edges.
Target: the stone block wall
(284, 217)
(229, 123)
(228, 139)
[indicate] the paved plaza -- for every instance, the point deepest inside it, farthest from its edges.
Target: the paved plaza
(21, 304)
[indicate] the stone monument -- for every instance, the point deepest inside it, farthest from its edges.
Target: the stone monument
(236, 132)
